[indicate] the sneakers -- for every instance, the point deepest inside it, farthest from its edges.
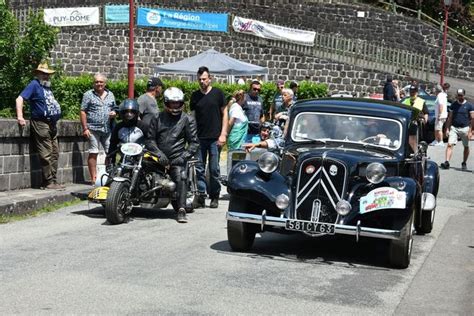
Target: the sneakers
(199, 201)
(181, 216)
(445, 165)
(463, 166)
(214, 203)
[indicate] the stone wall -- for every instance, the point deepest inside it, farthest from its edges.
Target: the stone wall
(19, 164)
(108, 47)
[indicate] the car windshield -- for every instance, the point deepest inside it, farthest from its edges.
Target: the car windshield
(324, 127)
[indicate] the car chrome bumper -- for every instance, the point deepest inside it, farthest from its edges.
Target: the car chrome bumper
(357, 231)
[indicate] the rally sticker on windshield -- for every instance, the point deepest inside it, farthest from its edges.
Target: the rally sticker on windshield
(382, 198)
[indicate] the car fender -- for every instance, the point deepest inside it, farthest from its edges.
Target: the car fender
(431, 178)
(248, 182)
(408, 185)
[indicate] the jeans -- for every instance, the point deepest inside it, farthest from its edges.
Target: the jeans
(208, 147)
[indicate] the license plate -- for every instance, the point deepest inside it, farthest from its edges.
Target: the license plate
(310, 227)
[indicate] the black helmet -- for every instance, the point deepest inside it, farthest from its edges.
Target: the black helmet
(129, 110)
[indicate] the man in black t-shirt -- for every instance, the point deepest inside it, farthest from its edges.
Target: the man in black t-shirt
(209, 108)
(460, 123)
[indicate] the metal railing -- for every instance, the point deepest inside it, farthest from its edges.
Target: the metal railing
(356, 52)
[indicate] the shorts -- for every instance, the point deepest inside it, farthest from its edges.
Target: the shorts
(96, 138)
(439, 124)
(460, 132)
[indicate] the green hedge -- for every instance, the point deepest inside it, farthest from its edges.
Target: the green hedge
(69, 90)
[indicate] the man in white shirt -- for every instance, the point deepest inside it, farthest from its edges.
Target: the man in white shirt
(441, 114)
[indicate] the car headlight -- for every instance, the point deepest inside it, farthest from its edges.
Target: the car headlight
(268, 162)
(343, 207)
(282, 201)
(375, 172)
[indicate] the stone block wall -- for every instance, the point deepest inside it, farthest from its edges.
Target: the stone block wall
(108, 46)
(19, 163)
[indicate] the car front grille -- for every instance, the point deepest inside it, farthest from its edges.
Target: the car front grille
(320, 185)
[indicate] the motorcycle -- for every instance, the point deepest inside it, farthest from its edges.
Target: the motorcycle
(140, 180)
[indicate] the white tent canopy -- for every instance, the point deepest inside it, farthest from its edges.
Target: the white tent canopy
(218, 64)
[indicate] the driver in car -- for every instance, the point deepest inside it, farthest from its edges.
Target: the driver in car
(172, 134)
(266, 141)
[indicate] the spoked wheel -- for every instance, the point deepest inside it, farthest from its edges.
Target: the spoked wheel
(118, 204)
(400, 249)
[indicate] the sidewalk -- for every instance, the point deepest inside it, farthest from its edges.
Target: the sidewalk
(19, 202)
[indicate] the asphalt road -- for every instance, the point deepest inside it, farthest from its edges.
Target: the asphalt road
(71, 261)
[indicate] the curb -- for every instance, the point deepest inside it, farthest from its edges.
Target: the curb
(22, 202)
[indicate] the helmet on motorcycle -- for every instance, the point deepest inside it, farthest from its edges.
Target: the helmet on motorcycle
(129, 110)
(174, 100)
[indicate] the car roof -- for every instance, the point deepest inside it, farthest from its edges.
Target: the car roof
(359, 106)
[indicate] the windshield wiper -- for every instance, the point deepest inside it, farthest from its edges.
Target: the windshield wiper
(317, 140)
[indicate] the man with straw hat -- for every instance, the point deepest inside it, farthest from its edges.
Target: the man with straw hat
(45, 113)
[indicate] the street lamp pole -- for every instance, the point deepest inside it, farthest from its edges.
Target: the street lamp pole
(131, 63)
(447, 3)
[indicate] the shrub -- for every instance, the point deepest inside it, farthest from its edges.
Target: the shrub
(20, 55)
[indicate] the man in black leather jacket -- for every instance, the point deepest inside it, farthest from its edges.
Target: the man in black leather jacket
(172, 134)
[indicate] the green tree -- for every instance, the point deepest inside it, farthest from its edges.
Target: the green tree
(21, 53)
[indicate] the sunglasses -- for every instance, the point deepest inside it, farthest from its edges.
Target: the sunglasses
(256, 89)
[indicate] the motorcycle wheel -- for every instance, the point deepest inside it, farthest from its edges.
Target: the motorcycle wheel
(118, 205)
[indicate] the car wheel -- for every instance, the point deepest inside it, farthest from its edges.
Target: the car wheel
(400, 249)
(427, 220)
(240, 235)
(117, 205)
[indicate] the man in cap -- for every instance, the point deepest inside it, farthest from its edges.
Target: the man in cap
(45, 113)
(148, 106)
(98, 111)
(460, 123)
(277, 104)
(418, 103)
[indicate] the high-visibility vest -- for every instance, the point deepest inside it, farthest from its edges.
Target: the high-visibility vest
(417, 104)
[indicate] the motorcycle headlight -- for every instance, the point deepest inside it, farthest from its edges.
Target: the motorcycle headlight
(343, 207)
(268, 162)
(375, 172)
(282, 201)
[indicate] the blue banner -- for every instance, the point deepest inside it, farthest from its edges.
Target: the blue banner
(116, 14)
(216, 22)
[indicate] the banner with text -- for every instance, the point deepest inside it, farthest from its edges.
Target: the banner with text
(71, 16)
(274, 32)
(216, 22)
(116, 14)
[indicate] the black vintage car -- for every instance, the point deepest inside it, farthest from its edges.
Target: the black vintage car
(349, 166)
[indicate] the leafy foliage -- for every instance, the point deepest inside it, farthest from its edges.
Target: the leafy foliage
(21, 54)
(69, 91)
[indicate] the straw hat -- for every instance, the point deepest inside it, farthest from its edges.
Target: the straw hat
(44, 68)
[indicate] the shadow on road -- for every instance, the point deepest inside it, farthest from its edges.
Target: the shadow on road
(326, 250)
(138, 213)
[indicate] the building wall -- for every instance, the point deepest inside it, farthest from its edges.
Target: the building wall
(100, 48)
(19, 163)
